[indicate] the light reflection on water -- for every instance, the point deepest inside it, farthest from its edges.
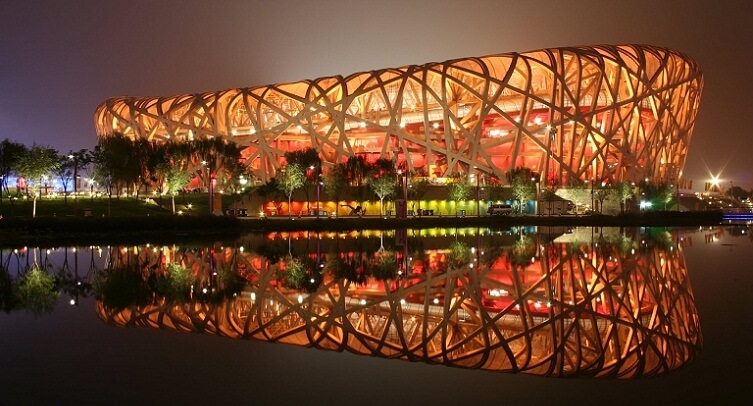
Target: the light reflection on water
(583, 302)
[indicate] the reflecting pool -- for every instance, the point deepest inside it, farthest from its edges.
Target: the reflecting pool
(555, 302)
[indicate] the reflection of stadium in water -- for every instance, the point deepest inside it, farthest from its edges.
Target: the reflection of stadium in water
(574, 305)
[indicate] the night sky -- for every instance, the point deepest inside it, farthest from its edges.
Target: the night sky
(60, 59)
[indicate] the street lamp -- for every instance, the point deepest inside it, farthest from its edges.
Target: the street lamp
(536, 181)
(210, 187)
(317, 175)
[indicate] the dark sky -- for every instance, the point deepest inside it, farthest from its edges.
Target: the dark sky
(60, 59)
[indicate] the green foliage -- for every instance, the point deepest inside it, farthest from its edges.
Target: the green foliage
(176, 178)
(38, 161)
(8, 301)
(232, 284)
(174, 284)
(117, 162)
(522, 183)
(36, 291)
(222, 158)
(305, 158)
(459, 255)
(351, 270)
(418, 188)
(358, 168)
(384, 186)
(335, 180)
(290, 178)
(299, 273)
(271, 189)
(494, 192)
(659, 194)
(459, 190)
(521, 253)
(10, 153)
(384, 266)
(121, 287)
(739, 193)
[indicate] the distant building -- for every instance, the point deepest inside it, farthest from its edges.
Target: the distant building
(604, 113)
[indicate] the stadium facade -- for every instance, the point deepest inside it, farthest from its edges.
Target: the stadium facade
(601, 113)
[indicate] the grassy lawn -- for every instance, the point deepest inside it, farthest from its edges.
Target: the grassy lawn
(125, 206)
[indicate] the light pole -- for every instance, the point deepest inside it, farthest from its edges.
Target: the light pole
(210, 186)
(535, 180)
(478, 192)
(317, 175)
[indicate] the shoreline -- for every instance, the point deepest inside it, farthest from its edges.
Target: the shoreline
(85, 231)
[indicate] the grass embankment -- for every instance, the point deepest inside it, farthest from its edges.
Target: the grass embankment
(127, 220)
(103, 221)
(190, 204)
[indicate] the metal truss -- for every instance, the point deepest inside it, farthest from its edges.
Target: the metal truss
(556, 309)
(604, 113)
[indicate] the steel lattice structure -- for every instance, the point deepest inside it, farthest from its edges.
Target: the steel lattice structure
(571, 310)
(608, 113)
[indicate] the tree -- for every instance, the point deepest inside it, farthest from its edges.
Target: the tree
(309, 160)
(10, 153)
(64, 172)
(417, 189)
(36, 163)
(117, 162)
(335, 181)
(218, 156)
(290, 178)
(36, 291)
(358, 168)
(383, 186)
(577, 192)
(459, 190)
(176, 179)
(495, 192)
(656, 193)
(522, 183)
(382, 180)
(739, 193)
(625, 191)
(78, 160)
(601, 193)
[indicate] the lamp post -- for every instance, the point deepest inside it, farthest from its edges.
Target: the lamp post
(210, 186)
(536, 181)
(317, 177)
(75, 180)
(478, 192)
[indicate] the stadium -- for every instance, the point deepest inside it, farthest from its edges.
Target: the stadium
(602, 113)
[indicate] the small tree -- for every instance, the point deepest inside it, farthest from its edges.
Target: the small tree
(625, 191)
(601, 193)
(358, 168)
(64, 172)
(176, 179)
(417, 189)
(383, 186)
(335, 181)
(459, 190)
(36, 163)
(522, 183)
(382, 180)
(290, 178)
(656, 193)
(36, 291)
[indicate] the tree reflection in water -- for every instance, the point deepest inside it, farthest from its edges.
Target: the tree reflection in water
(596, 303)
